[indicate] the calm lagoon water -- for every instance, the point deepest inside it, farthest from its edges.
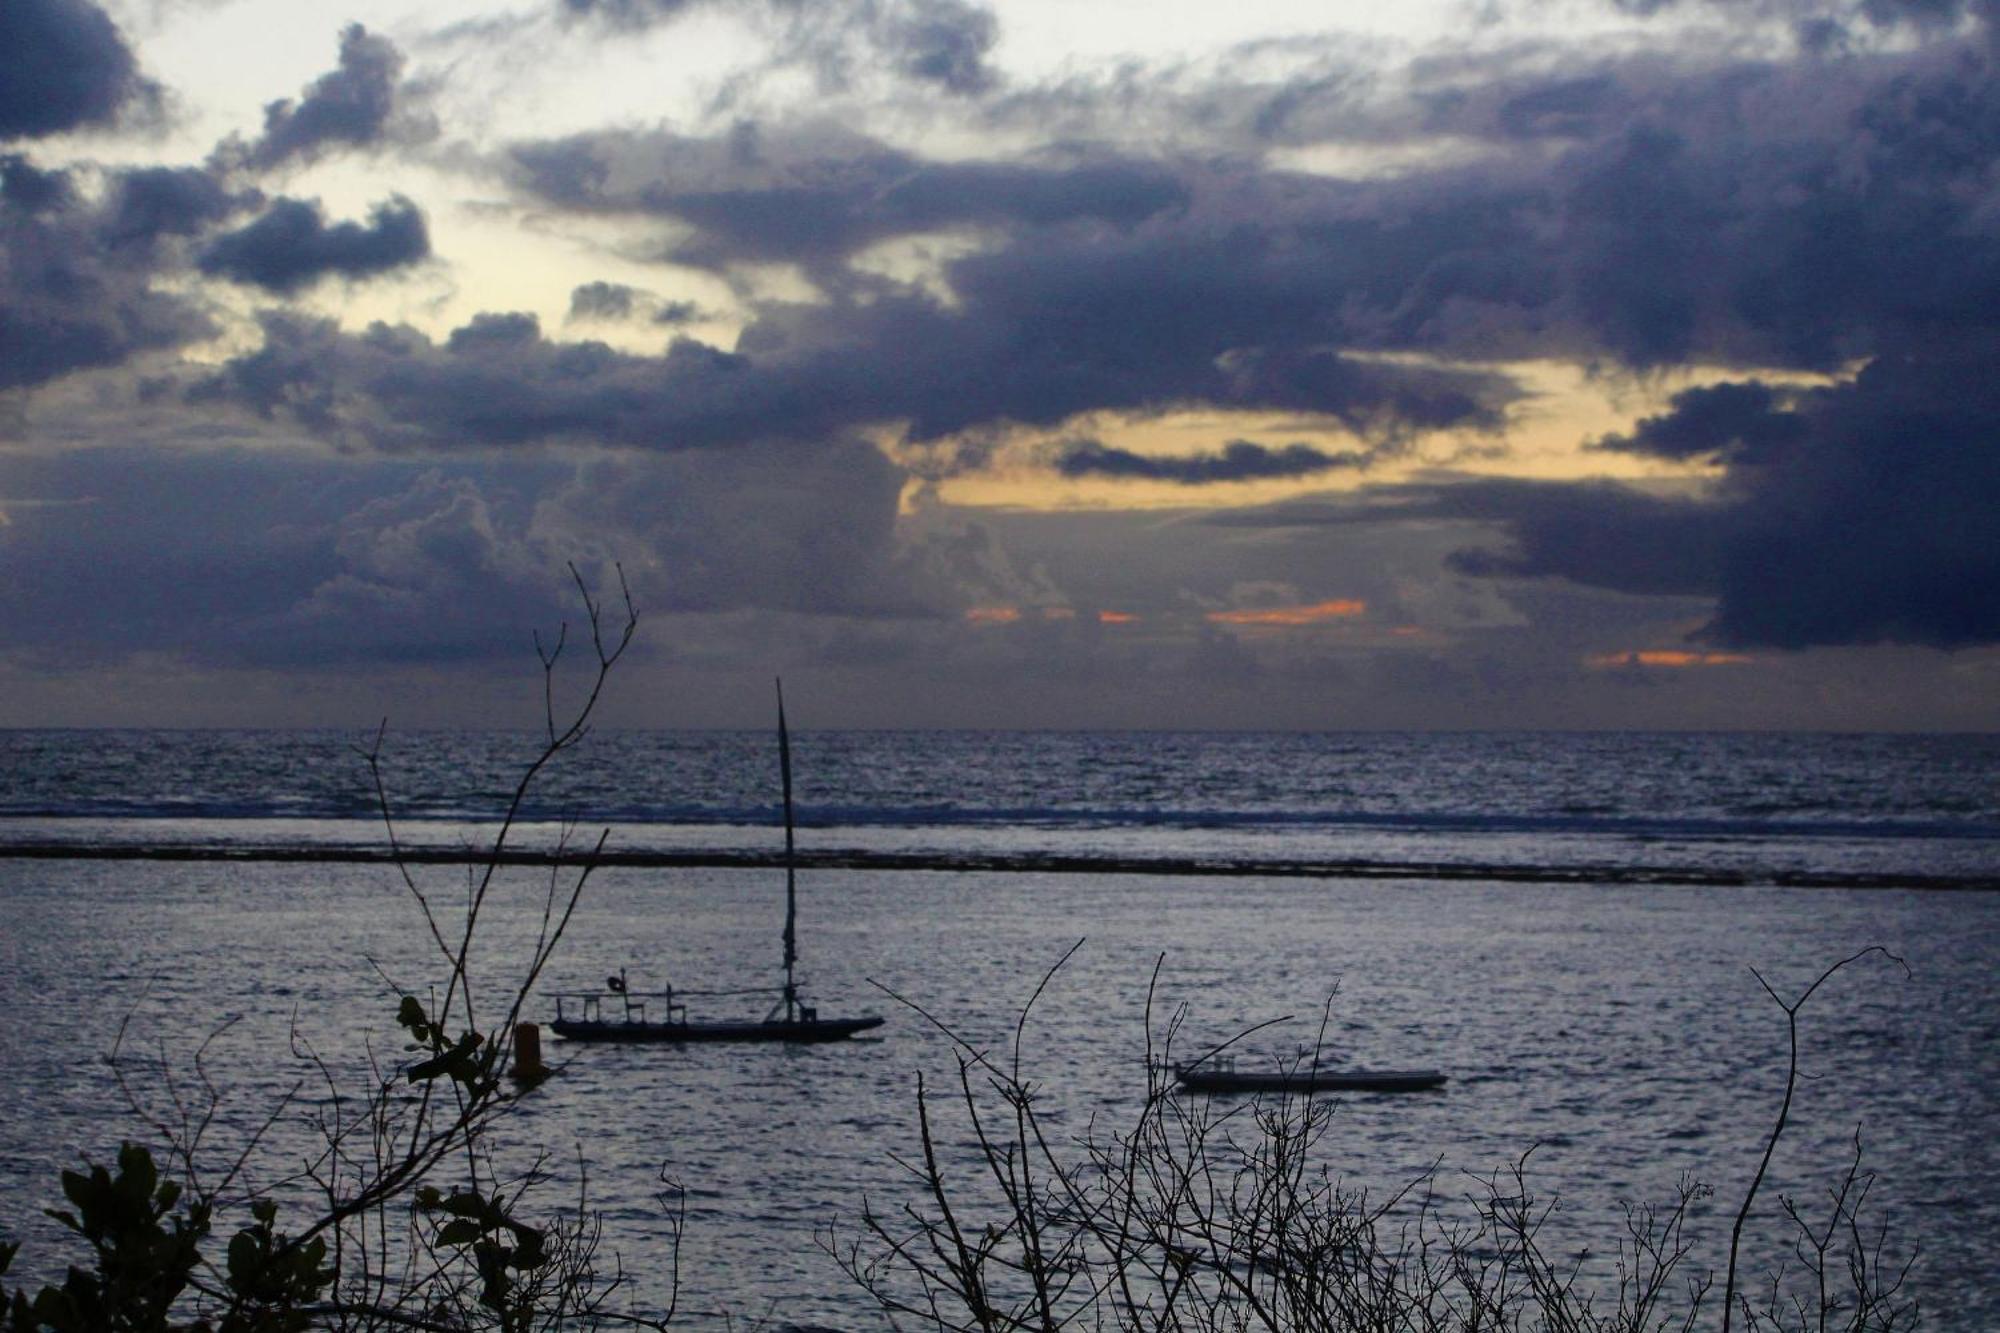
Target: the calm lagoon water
(1618, 1028)
(1612, 1025)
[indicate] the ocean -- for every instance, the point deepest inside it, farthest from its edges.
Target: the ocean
(1565, 923)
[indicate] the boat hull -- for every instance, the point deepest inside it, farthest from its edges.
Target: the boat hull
(797, 1031)
(1310, 1080)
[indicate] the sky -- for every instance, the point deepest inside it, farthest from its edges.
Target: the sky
(1035, 363)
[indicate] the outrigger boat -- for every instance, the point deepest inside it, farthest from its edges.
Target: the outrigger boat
(1218, 1075)
(619, 1013)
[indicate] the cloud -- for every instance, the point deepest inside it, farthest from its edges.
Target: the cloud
(817, 196)
(63, 65)
(614, 301)
(1673, 659)
(1035, 346)
(1875, 523)
(1315, 613)
(1860, 515)
(604, 300)
(785, 527)
(1742, 423)
(1672, 204)
(352, 106)
(291, 246)
(941, 44)
(1239, 460)
(1887, 14)
(436, 570)
(1596, 533)
(76, 275)
(145, 204)
(629, 13)
(262, 557)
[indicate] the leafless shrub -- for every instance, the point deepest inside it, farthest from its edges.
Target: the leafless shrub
(1209, 1215)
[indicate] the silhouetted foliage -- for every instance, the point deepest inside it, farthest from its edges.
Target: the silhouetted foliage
(415, 1222)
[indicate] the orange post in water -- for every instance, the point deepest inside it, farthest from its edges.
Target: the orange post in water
(528, 1066)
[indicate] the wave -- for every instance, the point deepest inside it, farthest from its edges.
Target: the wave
(942, 815)
(1037, 862)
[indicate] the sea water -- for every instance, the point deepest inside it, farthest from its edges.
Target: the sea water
(1567, 925)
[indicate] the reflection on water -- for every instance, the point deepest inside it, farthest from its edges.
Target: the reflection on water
(1618, 1028)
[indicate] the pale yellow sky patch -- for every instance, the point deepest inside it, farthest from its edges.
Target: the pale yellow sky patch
(1365, 161)
(1547, 438)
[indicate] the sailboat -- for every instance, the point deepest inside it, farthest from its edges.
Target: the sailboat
(619, 1013)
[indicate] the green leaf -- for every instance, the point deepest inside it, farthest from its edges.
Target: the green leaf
(76, 1188)
(530, 1253)
(471, 1204)
(136, 1170)
(245, 1257)
(460, 1231)
(457, 1062)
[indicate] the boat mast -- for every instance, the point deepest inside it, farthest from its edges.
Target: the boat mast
(791, 870)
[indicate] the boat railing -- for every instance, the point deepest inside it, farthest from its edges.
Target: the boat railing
(1224, 1062)
(631, 1005)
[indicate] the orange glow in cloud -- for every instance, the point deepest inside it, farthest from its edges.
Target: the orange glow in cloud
(1665, 657)
(1116, 618)
(1291, 615)
(1058, 613)
(993, 615)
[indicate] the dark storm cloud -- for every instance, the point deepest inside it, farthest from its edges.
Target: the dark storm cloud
(1654, 208)
(798, 527)
(351, 106)
(1595, 533)
(1865, 514)
(1567, 108)
(1633, 211)
(807, 372)
(255, 557)
(1877, 13)
(1861, 514)
(1741, 423)
(63, 65)
(76, 275)
(26, 189)
(1628, 540)
(1755, 212)
(292, 246)
(618, 301)
(147, 203)
(1239, 460)
(816, 198)
(604, 300)
(629, 13)
(940, 43)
